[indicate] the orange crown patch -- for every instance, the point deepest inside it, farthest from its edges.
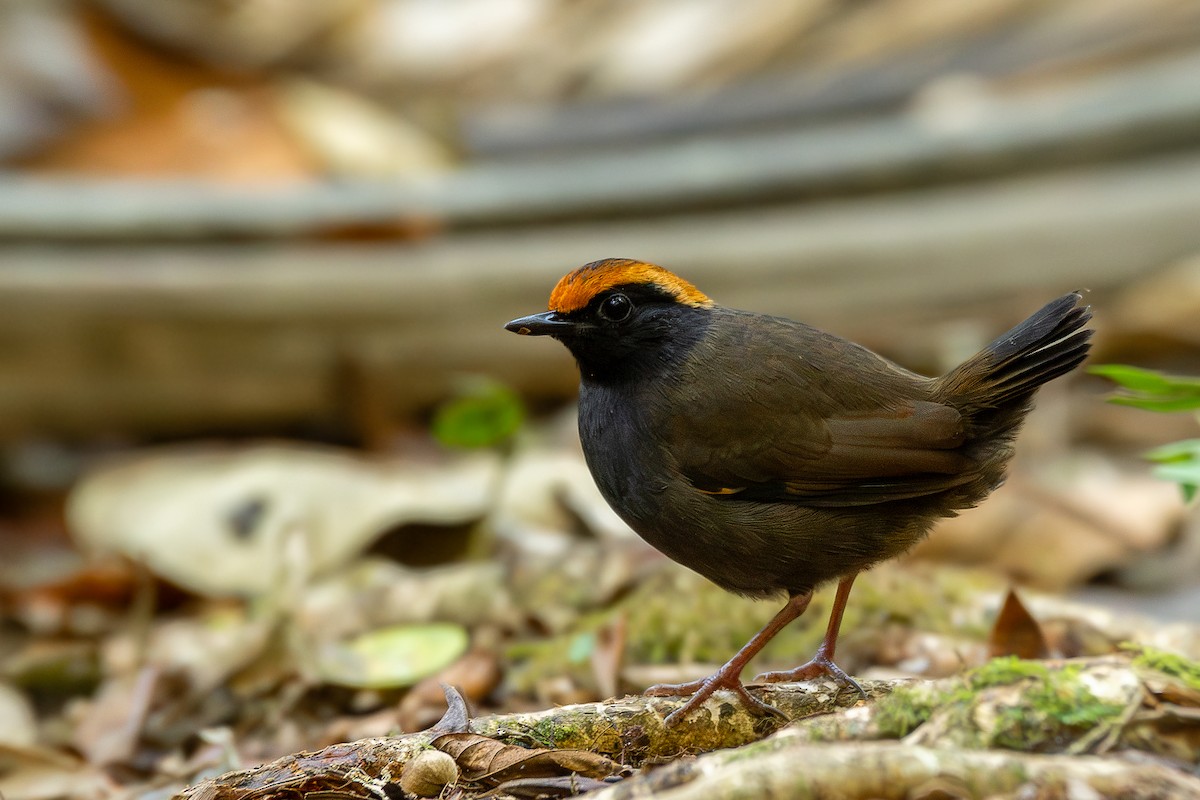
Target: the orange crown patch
(578, 288)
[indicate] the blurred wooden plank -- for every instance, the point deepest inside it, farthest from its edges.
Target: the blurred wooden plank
(1045, 42)
(162, 338)
(1152, 108)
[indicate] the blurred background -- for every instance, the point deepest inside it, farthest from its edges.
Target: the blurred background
(255, 258)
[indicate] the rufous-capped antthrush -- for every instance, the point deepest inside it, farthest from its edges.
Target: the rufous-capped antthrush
(771, 457)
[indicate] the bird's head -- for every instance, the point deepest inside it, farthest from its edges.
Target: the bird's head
(619, 316)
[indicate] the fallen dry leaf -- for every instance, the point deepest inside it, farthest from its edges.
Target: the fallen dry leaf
(18, 722)
(486, 760)
(482, 759)
(392, 656)
(42, 772)
(608, 655)
(242, 521)
(1016, 632)
(109, 730)
(476, 674)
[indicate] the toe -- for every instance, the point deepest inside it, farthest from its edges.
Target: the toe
(708, 689)
(674, 689)
(813, 669)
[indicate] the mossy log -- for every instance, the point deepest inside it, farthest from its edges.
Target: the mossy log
(1008, 726)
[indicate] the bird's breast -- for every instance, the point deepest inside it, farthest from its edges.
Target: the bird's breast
(616, 430)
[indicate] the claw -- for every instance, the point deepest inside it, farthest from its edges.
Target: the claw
(705, 688)
(729, 676)
(822, 661)
(818, 666)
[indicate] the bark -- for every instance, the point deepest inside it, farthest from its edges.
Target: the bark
(897, 771)
(629, 730)
(1118, 726)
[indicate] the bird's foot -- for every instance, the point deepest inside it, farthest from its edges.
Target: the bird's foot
(701, 690)
(820, 665)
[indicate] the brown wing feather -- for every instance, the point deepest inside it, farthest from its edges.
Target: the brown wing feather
(848, 443)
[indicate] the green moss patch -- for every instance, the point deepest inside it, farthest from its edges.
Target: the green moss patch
(906, 709)
(1008, 703)
(1173, 664)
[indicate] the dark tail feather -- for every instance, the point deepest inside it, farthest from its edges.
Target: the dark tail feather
(994, 387)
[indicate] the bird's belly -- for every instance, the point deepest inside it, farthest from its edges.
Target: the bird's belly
(749, 547)
(752, 548)
(753, 554)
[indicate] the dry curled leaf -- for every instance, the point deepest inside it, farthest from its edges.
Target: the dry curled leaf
(457, 716)
(488, 761)
(1016, 632)
(476, 674)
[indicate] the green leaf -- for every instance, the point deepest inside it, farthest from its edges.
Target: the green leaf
(1142, 380)
(1165, 406)
(1182, 472)
(484, 414)
(1151, 390)
(1178, 462)
(392, 657)
(1185, 450)
(582, 647)
(1185, 473)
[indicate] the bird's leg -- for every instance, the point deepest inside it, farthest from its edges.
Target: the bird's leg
(730, 675)
(822, 661)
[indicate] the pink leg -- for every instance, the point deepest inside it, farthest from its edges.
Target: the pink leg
(730, 675)
(822, 662)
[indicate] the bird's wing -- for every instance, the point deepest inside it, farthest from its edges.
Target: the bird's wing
(793, 427)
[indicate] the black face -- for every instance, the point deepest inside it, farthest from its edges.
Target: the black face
(623, 332)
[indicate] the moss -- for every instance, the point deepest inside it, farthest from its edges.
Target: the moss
(906, 709)
(568, 654)
(1173, 664)
(1053, 708)
(678, 616)
(675, 616)
(549, 733)
(1004, 671)
(923, 596)
(1055, 711)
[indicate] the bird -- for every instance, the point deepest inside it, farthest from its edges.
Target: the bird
(772, 457)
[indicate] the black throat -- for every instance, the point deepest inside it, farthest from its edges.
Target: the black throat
(648, 347)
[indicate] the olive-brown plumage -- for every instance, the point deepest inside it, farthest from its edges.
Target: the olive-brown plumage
(772, 457)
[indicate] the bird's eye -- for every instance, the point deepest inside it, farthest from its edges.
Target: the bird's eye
(616, 308)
